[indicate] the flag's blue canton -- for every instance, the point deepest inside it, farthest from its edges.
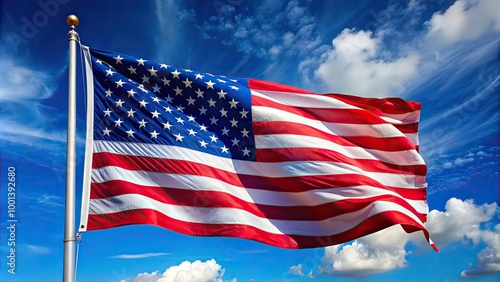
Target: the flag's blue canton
(141, 101)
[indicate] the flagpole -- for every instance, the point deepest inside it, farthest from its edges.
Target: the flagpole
(69, 227)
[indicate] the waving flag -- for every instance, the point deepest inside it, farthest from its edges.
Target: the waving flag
(213, 155)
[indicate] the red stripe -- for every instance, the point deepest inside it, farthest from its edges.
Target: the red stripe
(388, 144)
(351, 116)
(314, 154)
(376, 105)
(153, 217)
(213, 199)
(287, 184)
(407, 128)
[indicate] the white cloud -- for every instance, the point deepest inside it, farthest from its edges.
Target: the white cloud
(197, 271)
(296, 270)
(464, 20)
(38, 250)
(354, 66)
(462, 221)
(366, 256)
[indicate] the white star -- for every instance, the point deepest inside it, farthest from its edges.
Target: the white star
(132, 70)
(224, 149)
(244, 113)
(187, 83)
(203, 144)
(130, 113)
(245, 132)
(225, 131)
(203, 127)
(190, 101)
(188, 70)
(106, 131)
(131, 93)
(143, 104)
(130, 133)
(203, 111)
(156, 88)
(234, 123)
(155, 99)
(200, 93)
(99, 61)
(192, 132)
(164, 66)
(168, 109)
(234, 80)
(154, 134)
(118, 122)
(235, 142)
(179, 120)
(165, 81)
(155, 114)
(142, 123)
(169, 99)
(145, 78)
(152, 71)
(222, 94)
(110, 72)
(233, 103)
(220, 80)
(178, 91)
(176, 74)
(211, 102)
(178, 137)
(108, 92)
(234, 87)
(223, 113)
(142, 88)
(118, 60)
(107, 112)
(210, 84)
(246, 152)
(180, 108)
(213, 120)
(190, 118)
(141, 62)
(198, 76)
(119, 83)
(213, 138)
(166, 125)
(119, 103)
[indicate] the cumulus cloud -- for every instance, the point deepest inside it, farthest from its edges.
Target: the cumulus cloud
(464, 20)
(354, 58)
(197, 271)
(366, 256)
(296, 270)
(462, 221)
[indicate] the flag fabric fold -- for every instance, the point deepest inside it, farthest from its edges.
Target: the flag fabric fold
(213, 155)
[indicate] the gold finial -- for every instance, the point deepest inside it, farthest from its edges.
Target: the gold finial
(72, 21)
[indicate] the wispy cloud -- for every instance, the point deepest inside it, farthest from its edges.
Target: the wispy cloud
(37, 250)
(140, 256)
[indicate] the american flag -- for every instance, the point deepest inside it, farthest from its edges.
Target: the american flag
(213, 155)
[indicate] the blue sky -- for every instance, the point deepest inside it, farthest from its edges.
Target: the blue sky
(442, 53)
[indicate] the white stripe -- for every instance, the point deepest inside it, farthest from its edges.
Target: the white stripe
(407, 157)
(325, 102)
(281, 169)
(330, 226)
(303, 100)
(247, 194)
(263, 114)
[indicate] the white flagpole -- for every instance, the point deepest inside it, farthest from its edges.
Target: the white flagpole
(69, 227)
